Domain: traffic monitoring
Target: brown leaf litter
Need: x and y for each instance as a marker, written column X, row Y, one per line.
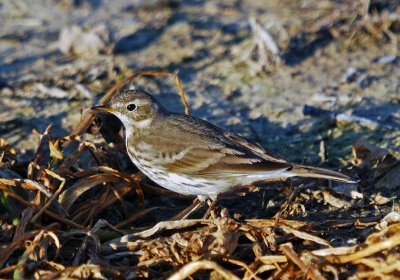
column 78, row 214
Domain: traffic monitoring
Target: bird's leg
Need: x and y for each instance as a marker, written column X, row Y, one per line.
column 196, row 204
column 211, row 205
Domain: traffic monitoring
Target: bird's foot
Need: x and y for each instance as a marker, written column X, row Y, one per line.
column 211, row 207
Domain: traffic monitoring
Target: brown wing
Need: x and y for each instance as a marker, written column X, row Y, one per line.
column 193, row 146
column 254, row 147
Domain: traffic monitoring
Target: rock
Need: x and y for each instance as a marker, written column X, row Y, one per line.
column 387, row 59
column 350, row 75
column 76, row 41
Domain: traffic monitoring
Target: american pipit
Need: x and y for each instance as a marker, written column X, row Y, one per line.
column 191, row 156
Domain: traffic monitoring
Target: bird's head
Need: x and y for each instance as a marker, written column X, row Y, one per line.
column 135, row 108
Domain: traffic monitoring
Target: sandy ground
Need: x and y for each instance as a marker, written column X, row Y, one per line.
column 206, row 41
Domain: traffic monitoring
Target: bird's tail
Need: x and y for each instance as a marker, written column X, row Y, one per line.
column 316, row 172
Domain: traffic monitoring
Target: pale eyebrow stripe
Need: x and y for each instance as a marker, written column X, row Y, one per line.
column 140, row 102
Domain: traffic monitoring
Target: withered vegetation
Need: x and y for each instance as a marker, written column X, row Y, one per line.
column 80, row 213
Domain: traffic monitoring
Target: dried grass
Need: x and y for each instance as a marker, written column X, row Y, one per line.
column 63, row 232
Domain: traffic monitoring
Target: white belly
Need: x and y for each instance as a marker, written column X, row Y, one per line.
column 190, row 184
column 180, row 183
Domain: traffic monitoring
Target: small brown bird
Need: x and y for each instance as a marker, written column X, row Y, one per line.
column 190, row 156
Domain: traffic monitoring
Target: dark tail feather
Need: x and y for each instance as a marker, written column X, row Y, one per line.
column 315, row 172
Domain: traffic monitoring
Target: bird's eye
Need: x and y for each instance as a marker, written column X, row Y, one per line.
column 131, row 107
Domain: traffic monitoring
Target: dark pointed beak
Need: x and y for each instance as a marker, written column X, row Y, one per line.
column 103, row 108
